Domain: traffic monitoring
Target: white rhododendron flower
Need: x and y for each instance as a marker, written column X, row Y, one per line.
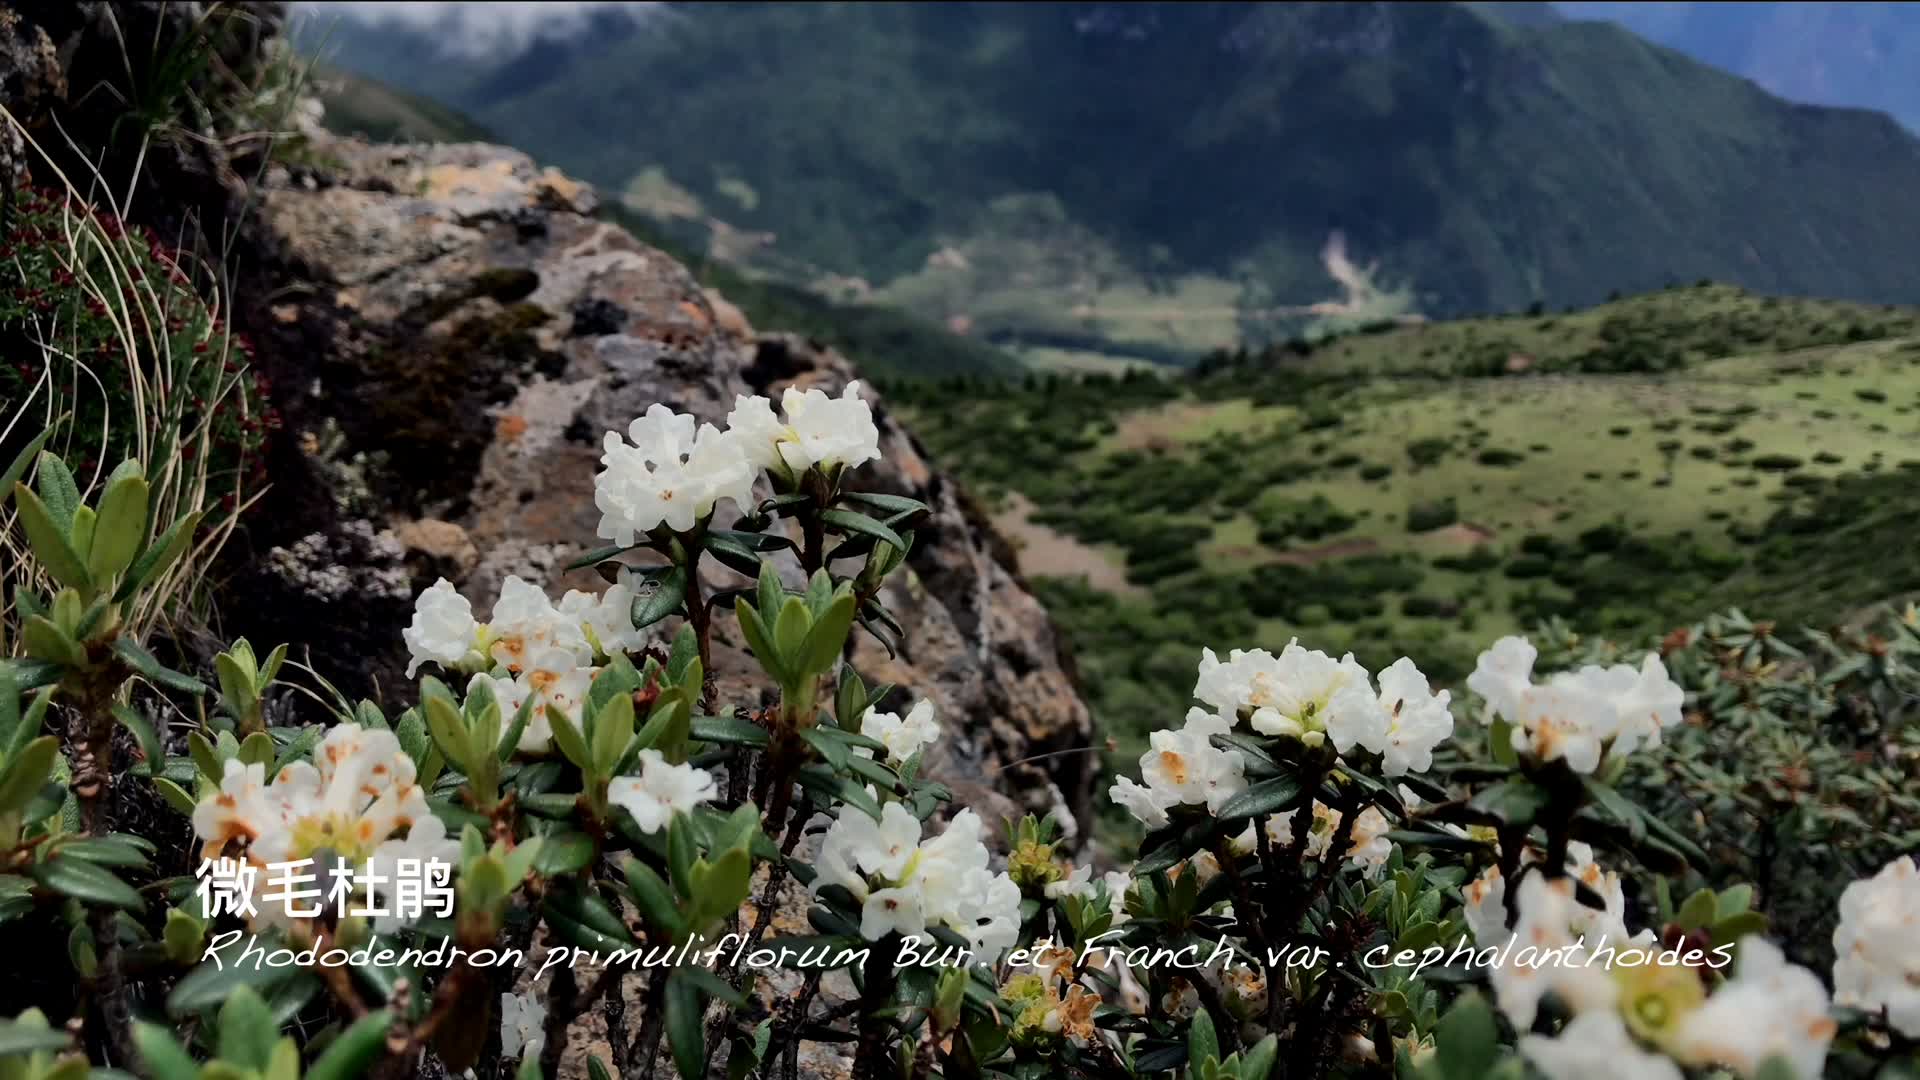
column 1186, row 766
column 903, row 736
column 1417, row 719
column 523, row 1026
column 1503, row 673
column 1576, row 715
column 1877, row 946
column 1644, row 699
column 1148, row 805
column 669, row 474
column 552, row 677
column 1552, row 951
column 443, row 630
column 1486, row 907
column 818, row 430
column 1769, row 1009
column 1302, row 692
column 906, row 884
column 661, row 791
column 1369, row 847
column 406, row 865
column 357, row 799
column 525, row 623
column 606, row 618
column 1595, row 1046
column 1326, row 822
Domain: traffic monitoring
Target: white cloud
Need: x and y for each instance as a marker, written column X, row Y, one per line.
column 477, row 29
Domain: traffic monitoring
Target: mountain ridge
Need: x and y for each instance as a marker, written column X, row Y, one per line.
column 1464, row 156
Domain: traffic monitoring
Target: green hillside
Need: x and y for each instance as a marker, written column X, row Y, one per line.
column 1419, row 490
column 361, row 106
column 1154, row 180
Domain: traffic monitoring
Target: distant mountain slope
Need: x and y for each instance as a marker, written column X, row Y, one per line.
column 1857, row 54
column 1475, row 163
column 356, row 105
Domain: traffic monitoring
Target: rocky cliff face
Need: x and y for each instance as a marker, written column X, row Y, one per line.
column 450, row 330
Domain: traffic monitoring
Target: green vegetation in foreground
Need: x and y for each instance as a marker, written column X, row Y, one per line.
column 1399, row 493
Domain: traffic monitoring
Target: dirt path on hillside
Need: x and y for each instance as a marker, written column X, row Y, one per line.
column 1045, row 553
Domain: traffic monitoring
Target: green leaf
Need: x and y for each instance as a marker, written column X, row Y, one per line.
column 175, row 795
column 159, row 555
column 1203, row 1044
column 769, row 593
column 1734, row 901
column 790, row 634
column 563, row 853
column 667, row 595
column 48, row 538
column 164, row 1058
column 121, row 530
column 86, row 882
column 598, row 555
column 256, row 749
column 1618, row 807
column 652, row 896
column 760, row 642
column 205, row 757
column 449, row 729
column 22, row 778
column 247, row 1030
column 829, row 634
column 114, row 849
column 46, row 641
column 1516, row 801
column 685, row 1034
column 568, row 738
column 1467, row 1040
column 890, row 505
column 350, row 1053
column 612, row 731
column 20, row 464
column 1698, row 911
column 144, row 662
column 1265, row 797
column 860, row 524
column 213, row 982
column 728, row 730
column 56, row 485
column 23, row 1038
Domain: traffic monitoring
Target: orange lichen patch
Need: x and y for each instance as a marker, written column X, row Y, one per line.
column 510, row 427
column 444, row 182
column 695, row 312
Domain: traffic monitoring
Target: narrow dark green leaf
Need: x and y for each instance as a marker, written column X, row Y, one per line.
column 86, row 882
column 144, row 662
column 665, row 596
column 1265, row 797
column 860, row 524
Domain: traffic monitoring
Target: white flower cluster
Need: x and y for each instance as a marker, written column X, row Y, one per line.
column 906, row 884
column 1303, row 693
column 1877, row 946
column 1639, row 1010
column 530, row 647
column 669, row 472
column 1576, row 715
column 902, row 736
column 660, row 791
column 357, row 799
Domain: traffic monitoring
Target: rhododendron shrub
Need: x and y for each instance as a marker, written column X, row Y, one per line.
column 1344, row 872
